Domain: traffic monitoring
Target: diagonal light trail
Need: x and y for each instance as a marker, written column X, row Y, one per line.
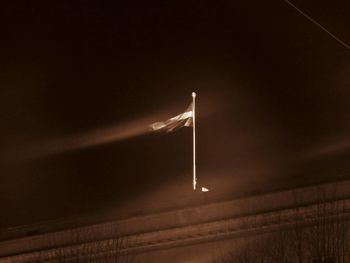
column 318, row 25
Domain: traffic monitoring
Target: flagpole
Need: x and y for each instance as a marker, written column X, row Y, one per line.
column 194, row 140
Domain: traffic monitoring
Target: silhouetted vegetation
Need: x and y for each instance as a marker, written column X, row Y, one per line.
column 319, row 237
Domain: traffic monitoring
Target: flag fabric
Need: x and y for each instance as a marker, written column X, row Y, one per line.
column 184, row 119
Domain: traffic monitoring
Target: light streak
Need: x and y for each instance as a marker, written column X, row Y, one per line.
column 329, row 149
column 83, row 140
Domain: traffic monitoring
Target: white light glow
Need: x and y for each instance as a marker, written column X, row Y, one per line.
column 205, row 189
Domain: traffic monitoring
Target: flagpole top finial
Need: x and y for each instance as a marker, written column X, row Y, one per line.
column 194, row 94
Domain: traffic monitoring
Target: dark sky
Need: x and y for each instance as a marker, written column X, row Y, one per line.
column 272, row 111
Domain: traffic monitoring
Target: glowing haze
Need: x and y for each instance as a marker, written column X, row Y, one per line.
column 92, row 138
column 86, row 139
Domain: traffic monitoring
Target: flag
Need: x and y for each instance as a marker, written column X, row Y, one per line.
column 184, row 119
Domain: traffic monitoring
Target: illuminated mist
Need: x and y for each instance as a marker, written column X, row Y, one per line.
column 93, row 138
column 84, row 140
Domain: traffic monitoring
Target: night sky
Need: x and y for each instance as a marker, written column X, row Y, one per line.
column 273, row 102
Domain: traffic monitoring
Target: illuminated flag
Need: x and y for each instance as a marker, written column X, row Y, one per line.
column 184, row 119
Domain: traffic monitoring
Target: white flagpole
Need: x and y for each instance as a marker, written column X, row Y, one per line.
column 194, row 139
